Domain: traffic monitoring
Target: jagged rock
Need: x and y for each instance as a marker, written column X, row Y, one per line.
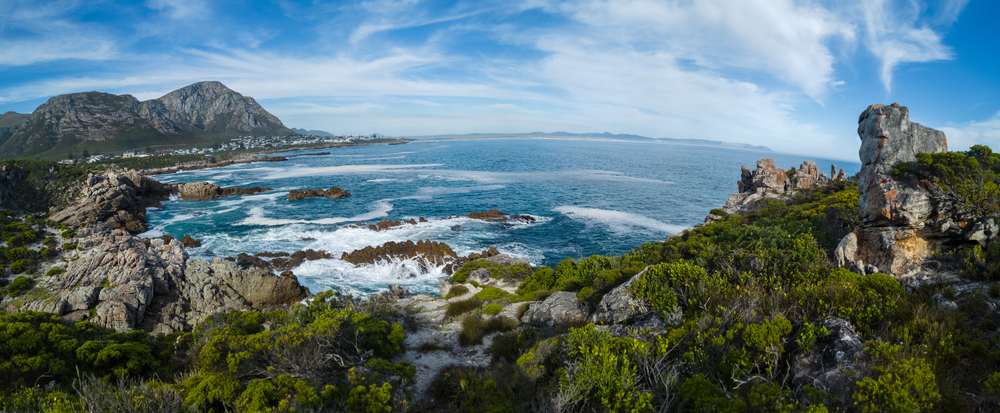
column 841, row 174
column 620, row 305
column 559, row 309
column 190, row 242
column 279, row 261
column 81, row 298
column 203, row 191
column 117, row 198
column 768, row 179
column 333, row 192
column 894, row 213
column 153, row 285
column 829, row 366
column 431, row 252
column 397, row 292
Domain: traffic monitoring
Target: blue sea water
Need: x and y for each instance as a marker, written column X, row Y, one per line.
column 589, row 197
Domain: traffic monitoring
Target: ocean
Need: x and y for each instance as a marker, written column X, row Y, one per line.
column 587, row 196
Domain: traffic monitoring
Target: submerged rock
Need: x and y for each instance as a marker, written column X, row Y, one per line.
column 432, row 252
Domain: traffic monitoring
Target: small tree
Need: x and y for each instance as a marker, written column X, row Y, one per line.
column 86, row 154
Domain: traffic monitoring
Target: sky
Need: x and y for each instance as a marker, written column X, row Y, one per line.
column 791, row 75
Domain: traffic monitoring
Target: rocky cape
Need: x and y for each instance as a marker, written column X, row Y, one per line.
column 64, row 122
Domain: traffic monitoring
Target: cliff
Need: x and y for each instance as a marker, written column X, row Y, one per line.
column 95, row 120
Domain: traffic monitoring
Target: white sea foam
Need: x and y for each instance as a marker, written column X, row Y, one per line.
column 367, row 279
column 258, row 216
column 382, row 180
column 617, row 221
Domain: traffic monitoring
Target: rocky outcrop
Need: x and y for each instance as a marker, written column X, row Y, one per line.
column 894, row 237
column 190, row 242
column 118, row 198
column 129, row 283
column 832, row 364
column 278, row 261
column 203, row 191
column 333, row 192
column 431, row 252
column 769, row 182
column 559, row 309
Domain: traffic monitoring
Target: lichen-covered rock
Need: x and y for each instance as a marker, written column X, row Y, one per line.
column 832, row 361
column 559, row 309
column 892, row 238
column 620, row 305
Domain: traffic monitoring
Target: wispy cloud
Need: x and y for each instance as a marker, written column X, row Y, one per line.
column 897, row 33
column 962, row 136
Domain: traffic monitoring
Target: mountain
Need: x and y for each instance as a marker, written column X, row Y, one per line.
column 312, row 132
column 604, row 135
column 9, row 122
column 199, row 114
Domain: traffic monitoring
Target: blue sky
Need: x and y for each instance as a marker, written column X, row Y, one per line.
column 792, row 75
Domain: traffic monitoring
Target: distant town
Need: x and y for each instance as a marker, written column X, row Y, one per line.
column 234, row 144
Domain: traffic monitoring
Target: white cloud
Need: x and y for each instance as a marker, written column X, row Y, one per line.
column 962, row 136
column 896, row 34
column 180, row 9
column 788, row 40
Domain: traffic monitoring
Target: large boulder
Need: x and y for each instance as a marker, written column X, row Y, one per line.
column 559, row 309
column 620, row 305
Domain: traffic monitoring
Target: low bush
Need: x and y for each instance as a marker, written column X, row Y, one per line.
column 54, row 271
column 475, row 327
column 492, row 309
column 461, row 307
column 456, row 291
column 19, row 286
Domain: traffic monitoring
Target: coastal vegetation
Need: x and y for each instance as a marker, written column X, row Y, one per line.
column 741, row 307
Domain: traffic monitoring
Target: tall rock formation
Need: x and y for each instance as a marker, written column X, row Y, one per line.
column 894, row 237
column 185, row 116
column 770, row 182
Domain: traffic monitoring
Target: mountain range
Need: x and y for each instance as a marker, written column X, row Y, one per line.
column 312, row 132
column 195, row 115
column 604, row 135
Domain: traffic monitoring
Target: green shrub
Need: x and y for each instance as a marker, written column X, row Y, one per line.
column 718, row 212
column 20, row 266
column 68, row 246
column 492, row 293
column 897, row 383
column 19, row 286
column 456, row 291
column 604, row 372
column 54, row 271
column 68, row 234
column 492, row 309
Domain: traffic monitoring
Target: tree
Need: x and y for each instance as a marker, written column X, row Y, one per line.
column 86, row 154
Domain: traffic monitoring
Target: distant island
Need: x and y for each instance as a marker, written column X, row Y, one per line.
column 599, row 136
